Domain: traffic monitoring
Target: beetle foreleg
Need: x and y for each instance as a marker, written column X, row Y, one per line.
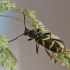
column 30, row 39
column 37, row 47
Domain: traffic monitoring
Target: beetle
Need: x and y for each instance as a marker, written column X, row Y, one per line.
column 43, row 39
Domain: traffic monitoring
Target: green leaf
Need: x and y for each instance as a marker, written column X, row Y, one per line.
column 7, row 58
column 6, row 5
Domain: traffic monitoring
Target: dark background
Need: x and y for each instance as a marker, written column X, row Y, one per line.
column 55, row 14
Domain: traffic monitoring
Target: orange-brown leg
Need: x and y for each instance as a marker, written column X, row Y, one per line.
column 48, row 34
column 50, row 55
column 36, row 28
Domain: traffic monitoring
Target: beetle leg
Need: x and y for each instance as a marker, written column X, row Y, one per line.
column 37, row 47
column 48, row 34
column 30, row 39
column 50, row 55
column 36, row 28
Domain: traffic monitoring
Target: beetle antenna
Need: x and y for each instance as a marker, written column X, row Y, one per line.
column 21, row 34
column 16, row 38
column 24, row 22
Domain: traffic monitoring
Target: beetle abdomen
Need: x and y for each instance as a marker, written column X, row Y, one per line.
column 53, row 45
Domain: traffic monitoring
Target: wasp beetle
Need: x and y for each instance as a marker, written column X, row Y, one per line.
column 43, row 39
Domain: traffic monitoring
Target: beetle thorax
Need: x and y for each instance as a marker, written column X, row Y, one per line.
column 32, row 33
